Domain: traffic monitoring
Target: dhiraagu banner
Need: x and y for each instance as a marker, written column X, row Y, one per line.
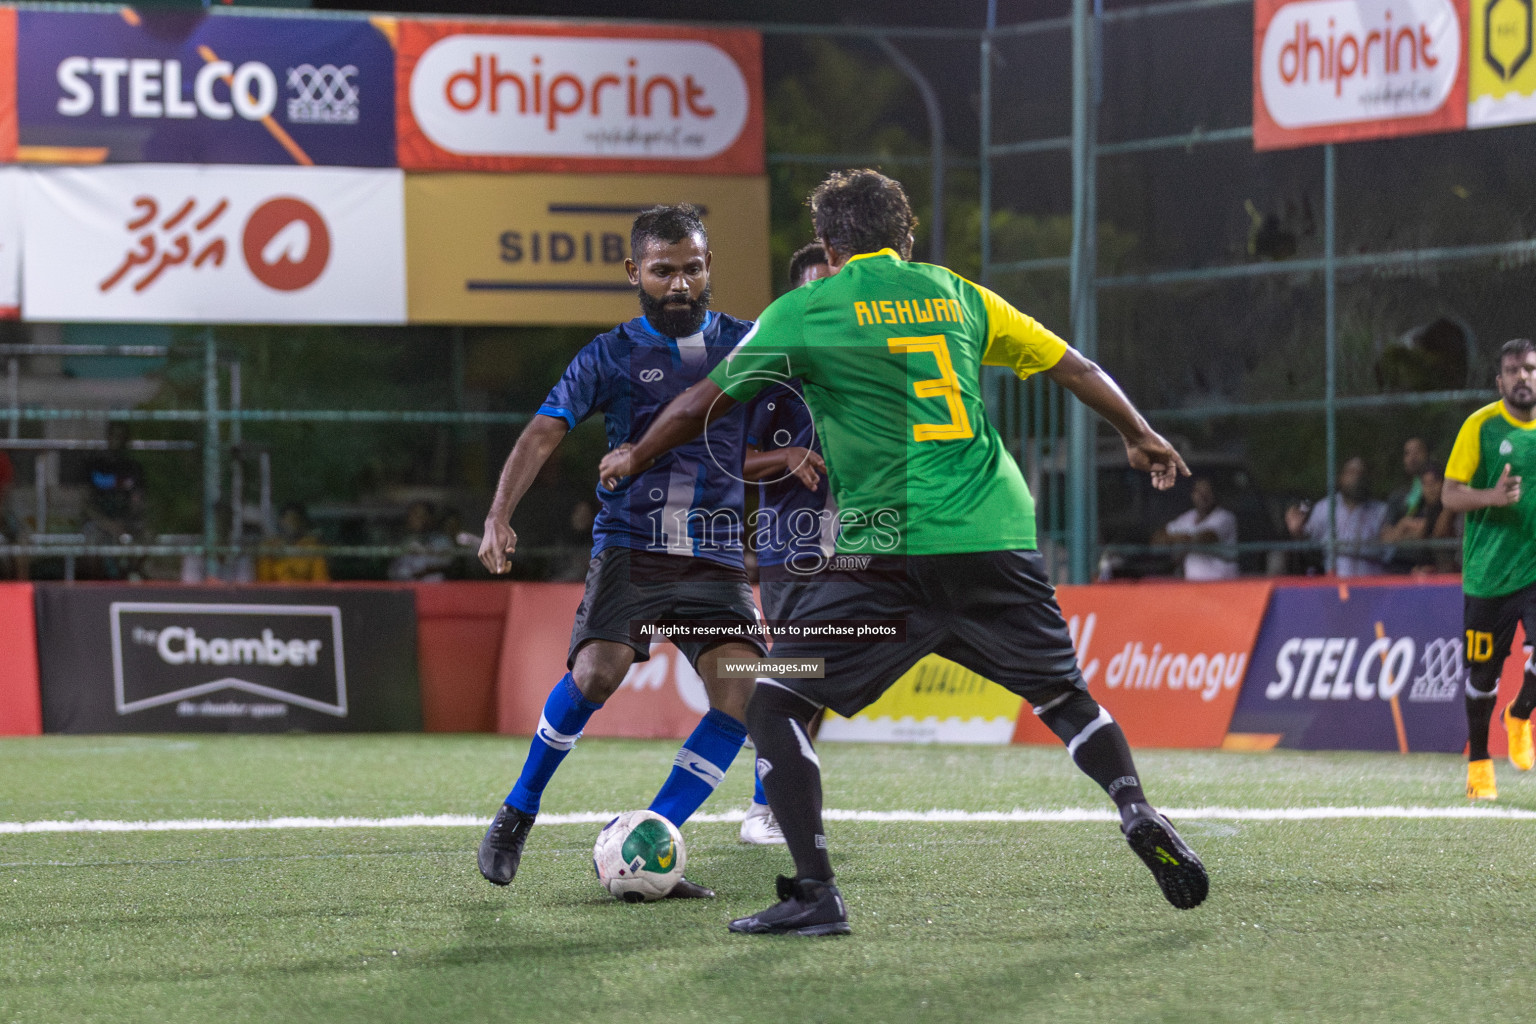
column 1501, row 84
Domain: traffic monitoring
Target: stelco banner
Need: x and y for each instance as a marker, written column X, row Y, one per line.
column 170, row 244
column 145, row 659
column 1345, row 70
column 550, row 248
column 539, row 97
column 162, row 87
column 1358, row 668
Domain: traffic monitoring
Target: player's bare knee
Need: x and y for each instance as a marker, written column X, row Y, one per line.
column 599, row 669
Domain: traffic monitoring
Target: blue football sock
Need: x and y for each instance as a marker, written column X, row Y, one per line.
column 699, row 766
column 565, row 715
column 759, row 795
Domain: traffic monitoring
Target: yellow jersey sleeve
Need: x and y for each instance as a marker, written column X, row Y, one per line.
column 1467, row 452
column 1016, row 340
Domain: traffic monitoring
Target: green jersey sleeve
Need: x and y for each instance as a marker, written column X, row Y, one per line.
column 771, row 353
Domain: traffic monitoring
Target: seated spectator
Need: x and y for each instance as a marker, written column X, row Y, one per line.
column 1206, row 523
column 293, row 530
column 1408, row 496
column 431, row 553
column 1358, row 519
column 1428, row 520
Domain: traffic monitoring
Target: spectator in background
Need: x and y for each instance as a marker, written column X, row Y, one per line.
column 293, row 530
column 1429, row 520
column 1407, row 498
column 1206, row 523
column 1358, row 519
column 431, row 553
column 114, row 506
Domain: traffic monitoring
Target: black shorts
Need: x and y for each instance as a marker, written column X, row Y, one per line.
column 1490, row 629
column 782, row 590
column 626, row 589
column 993, row 612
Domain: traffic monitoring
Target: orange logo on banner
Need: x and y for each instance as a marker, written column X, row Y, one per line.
column 1166, row 659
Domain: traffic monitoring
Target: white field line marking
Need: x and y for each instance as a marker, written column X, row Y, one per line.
column 936, row 816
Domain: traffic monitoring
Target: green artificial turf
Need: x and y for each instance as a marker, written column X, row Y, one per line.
column 1335, row 920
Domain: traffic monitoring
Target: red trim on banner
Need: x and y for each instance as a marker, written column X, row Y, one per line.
column 21, row 707
column 8, row 121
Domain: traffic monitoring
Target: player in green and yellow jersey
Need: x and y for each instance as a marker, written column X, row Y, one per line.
column 937, row 533
column 1494, row 450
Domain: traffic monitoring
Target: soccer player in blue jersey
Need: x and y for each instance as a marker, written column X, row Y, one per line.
column 795, row 525
column 666, row 543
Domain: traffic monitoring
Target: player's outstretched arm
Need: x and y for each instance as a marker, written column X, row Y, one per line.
column 804, row 464
column 684, row 419
column 1458, row 496
column 534, row 446
column 1145, row 448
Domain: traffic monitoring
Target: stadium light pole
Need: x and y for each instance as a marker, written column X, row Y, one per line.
column 1082, row 449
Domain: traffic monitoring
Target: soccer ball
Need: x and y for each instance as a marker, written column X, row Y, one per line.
column 639, row 856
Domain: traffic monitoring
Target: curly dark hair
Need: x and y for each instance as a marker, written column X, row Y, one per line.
column 666, row 224
column 805, row 257
column 863, row 211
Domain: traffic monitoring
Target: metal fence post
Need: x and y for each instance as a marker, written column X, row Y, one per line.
column 1082, row 449
column 1330, row 359
column 210, row 449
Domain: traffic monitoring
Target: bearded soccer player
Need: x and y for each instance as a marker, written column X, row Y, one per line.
column 1495, row 448
column 795, row 524
column 890, row 354
column 666, row 543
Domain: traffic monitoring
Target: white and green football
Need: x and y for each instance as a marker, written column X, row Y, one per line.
column 639, row 856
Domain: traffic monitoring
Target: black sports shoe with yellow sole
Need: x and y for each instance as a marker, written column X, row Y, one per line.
column 1178, row 871
column 805, row 907
column 502, row 848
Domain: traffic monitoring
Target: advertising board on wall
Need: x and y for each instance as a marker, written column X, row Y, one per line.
column 550, row 248
column 183, row 87
column 137, row 659
column 1360, row 667
column 174, row 244
column 1501, row 74
column 531, row 96
column 1167, row 660
column 1346, row 70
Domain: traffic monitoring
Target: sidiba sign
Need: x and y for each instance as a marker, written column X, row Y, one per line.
column 528, row 97
column 1342, row 70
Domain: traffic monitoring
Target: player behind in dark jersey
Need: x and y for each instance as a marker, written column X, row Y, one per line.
column 795, row 524
column 666, row 543
column 889, row 354
column 1495, row 450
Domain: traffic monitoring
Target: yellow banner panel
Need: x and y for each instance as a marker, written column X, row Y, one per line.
column 550, row 248
column 937, row 701
column 1501, row 80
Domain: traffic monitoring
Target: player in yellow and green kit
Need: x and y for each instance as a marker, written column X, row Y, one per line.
column 1494, row 450
column 937, row 528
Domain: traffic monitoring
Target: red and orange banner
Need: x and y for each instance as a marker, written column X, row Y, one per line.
column 1347, row 70
column 536, row 96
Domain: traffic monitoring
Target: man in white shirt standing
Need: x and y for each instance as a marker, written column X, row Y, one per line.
column 1206, row 523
